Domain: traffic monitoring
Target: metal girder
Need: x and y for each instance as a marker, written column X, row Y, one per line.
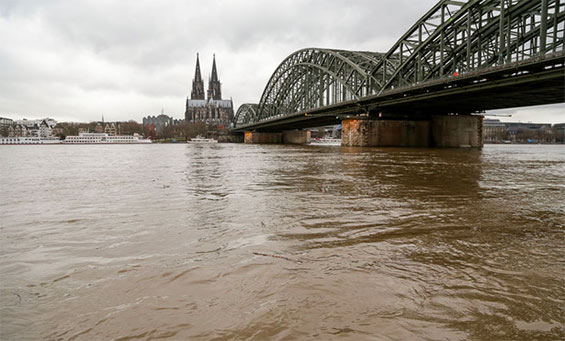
column 311, row 77
column 480, row 34
column 246, row 113
column 451, row 39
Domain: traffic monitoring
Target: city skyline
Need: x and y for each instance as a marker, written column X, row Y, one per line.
column 126, row 60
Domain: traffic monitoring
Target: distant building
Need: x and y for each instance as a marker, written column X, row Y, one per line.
column 5, row 124
column 155, row 125
column 29, row 123
column 559, row 130
column 495, row 131
column 23, row 128
column 111, row 129
column 212, row 109
column 99, row 129
column 522, row 132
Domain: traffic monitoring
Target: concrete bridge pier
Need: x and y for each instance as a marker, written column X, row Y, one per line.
column 457, row 131
column 286, row 137
column 365, row 132
column 230, row 138
column 454, row 131
column 253, row 137
column 296, row 136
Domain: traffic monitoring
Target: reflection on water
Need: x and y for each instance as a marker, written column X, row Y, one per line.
column 281, row 242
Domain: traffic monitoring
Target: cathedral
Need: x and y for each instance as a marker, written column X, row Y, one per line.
column 212, row 108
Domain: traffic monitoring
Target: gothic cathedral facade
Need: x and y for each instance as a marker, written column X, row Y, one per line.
column 212, row 108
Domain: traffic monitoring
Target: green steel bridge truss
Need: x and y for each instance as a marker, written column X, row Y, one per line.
column 452, row 38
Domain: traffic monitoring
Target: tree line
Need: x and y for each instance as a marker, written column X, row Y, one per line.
column 182, row 131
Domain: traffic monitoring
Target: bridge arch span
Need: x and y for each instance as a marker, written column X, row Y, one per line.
column 246, row 113
column 459, row 37
column 451, row 39
column 315, row 77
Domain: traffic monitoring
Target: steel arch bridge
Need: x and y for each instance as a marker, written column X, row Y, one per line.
column 452, row 39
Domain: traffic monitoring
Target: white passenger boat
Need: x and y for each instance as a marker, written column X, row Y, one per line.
column 30, row 140
column 103, row 138
column 200, row 139
column 326, row 141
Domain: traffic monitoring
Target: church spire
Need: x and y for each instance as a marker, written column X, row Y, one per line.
column 214, row 72
column 197, row 75
column 197, row 83
column 214, row 85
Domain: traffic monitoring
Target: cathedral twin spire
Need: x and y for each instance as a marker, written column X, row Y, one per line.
column 208, row 106
column 214, row 85
column 197, row 83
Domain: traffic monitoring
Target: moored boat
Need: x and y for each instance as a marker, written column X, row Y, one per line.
column 29, row 140
column 103, row 138
column 326, row 141
column 201, row 139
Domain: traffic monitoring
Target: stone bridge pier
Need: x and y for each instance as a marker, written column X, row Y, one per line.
column 447, row 131
column 286, row 137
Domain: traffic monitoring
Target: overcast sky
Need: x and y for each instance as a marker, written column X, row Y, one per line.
column 77, row 60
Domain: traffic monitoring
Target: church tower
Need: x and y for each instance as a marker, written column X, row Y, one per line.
column 214, row 85
column 213, row 110
column 197, row 83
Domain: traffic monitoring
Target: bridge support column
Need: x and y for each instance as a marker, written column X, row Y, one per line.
column 296, row 137
column 457, row 131
column 230, row 138
column 361, row 132
column 252, row 137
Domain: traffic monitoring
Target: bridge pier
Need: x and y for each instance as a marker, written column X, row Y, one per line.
column 296, row 136
column 286, row 137
column 437, row 131
column 457, row 131
column 230, row 138
column 361, row 132
column 252, row 137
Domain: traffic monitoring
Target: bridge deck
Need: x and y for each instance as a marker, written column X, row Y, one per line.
column 535, row 81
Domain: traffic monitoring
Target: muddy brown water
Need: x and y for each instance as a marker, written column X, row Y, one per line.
column 259, row 242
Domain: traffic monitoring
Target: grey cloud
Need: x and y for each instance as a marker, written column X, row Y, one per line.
column 128, row 58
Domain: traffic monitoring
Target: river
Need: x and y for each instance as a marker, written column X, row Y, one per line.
column 279, row 242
